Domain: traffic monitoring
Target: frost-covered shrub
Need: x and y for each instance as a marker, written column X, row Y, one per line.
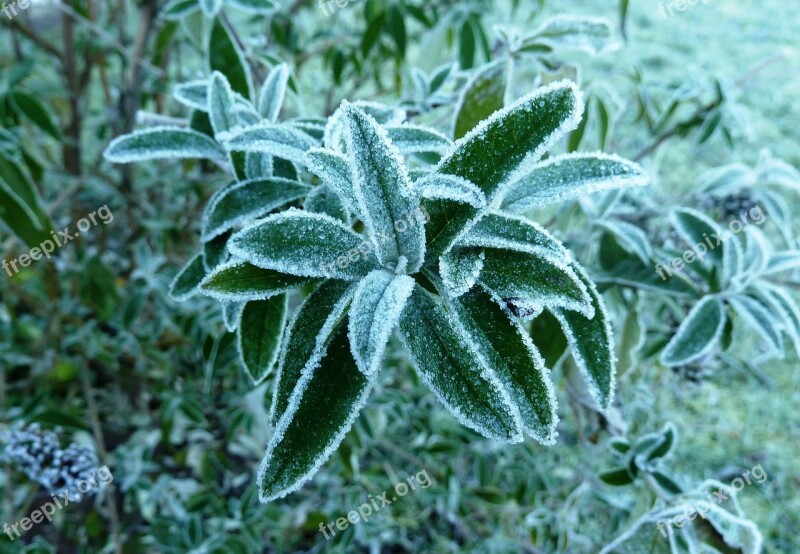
column 433, row 256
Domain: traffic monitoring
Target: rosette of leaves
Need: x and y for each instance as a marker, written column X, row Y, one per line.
column 434, row 259
column 710, row 515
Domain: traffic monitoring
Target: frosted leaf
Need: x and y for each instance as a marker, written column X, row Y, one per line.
column 379, row 299
column 334, row 129
column 185, row 283
column 176, row 10
column 507, row 232
column 334, row 171
column 529, row 282
column 588, row 34
column 756, row 254
column 225, row 55
column 311, row 429
column 274, row 92
column 591, row 343
column 631, row 238
column 570, row 177
column 157, row 143
column 509, row 351
column 231, row 313
column 193, row 94
column 416, row 139
column 246, row 115
column 276, row 139
column 790, row 310
column 697, row 334
column 383, row 191
column 482, row 95
column 760, row 320
column 323, row 200
column 460, row 269
column 247, row 200
column 787, row 260
column 308, row 333
column 306, row 245
column 697, row 228
column 450, row 364
column 240, row 281
column 258, row 165
column 500, row 149
column 221, row 104
column 259, row 337
column 449, row 187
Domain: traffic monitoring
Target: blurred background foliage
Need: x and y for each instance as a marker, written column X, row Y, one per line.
column 90, row 343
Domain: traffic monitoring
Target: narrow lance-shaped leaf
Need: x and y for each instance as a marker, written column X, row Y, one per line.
column 415, row 139
column 259, row 337
column 310, row 431
column 278, row 140
column 758, row 318
column 518, row 365
column 697, row 334
column 570, row 177
column 334, row 171
column 592, row 343
column 36, row 111
column 323, row 200
column 306, row 245
column 379, row 300
column 239, row 281
column 506, row 232
column 449, row 187
column 307, row 337
column 158, row 143
column 698, row 229
column 383, row 191
column 225, row 56
column 460, row 269
column 500, row 147
column 448, row 362
column 274, row 92
column 246, row 200
column 221, row 104
column 188, row 279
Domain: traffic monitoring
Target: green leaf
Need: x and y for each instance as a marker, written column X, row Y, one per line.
column 383, row 192
column 274, row 92
column 528, row 282
column 157, row 143
column 591, row 35
column 247, row 200
column 241, row 281
column 696, row 228
column 591, row 343
column 506, row 232
column 225, row 56
column 36, row 111
column 509, row 351
column 307, row 337
column 22, row 207
column 306, row 245
column 697, row 334
column 759, row 319
column 324, row 404
column 570, row 177
column 548, row 338
column 618, row 477
column 379, row 299
column 483, row 95
column 449, row 187
column 502, row 145
column 466, row 46
column 334, row 171
column 186, row 282
column 263, row 7
column 447, row 363
column 260, row 331
column 416, row 139
column 460, row 269
column 276, row 139
column 220, row 104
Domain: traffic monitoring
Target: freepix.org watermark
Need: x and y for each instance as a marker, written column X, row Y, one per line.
column 718, row 496
column 699, row 250
column 367, row 509
column 95, row 480
column 61, row 238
